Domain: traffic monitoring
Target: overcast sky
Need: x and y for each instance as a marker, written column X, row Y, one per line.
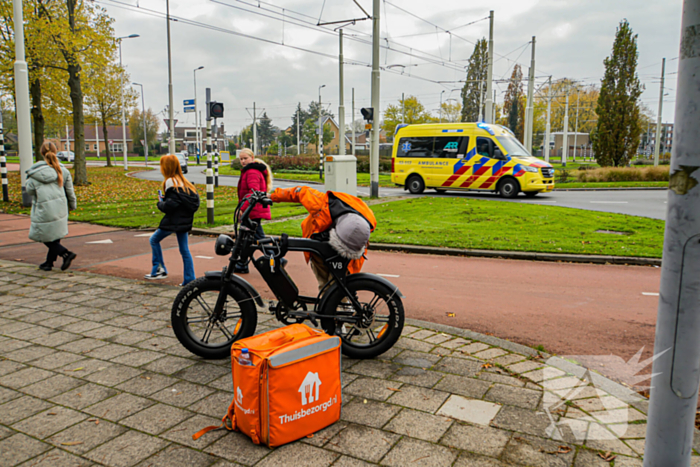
column 572, row 38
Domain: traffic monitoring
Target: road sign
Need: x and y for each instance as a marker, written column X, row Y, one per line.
column 189, row 109
column 111, row 141
column 142, row 141
column 188, row 102
column 167, row 122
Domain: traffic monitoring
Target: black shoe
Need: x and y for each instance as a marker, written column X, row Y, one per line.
column 45, row 266
column 67, row 259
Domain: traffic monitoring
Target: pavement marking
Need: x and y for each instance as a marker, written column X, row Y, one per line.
column 651, row 294
column 143, row 235
column 609, row 202
column 535, row 201
column 102, row 241
column 388, row 275
column 205, row 257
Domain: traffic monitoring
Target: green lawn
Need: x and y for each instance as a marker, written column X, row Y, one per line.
column 362, row 178
column 495, row 225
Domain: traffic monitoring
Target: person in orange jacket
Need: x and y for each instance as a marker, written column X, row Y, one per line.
column 345, row 221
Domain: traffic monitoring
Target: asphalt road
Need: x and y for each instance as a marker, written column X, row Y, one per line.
column 646, row 203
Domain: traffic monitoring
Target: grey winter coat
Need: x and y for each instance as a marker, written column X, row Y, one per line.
column 50, row 202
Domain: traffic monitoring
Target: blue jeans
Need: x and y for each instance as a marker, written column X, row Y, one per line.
column 157, row 258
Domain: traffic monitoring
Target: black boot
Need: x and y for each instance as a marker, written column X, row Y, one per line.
column 68, row 258
column 45, row 266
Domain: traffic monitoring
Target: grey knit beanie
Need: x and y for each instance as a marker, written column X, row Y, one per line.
column 350, row 235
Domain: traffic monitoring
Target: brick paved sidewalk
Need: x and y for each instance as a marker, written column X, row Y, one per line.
column 90, row 373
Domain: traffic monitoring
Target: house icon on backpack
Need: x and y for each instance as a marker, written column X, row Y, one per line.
column 307, row 387
column 239, row 395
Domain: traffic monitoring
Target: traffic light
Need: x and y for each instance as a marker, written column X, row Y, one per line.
column 216, row 110
column 368, row 113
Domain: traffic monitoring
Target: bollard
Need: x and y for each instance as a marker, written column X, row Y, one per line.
column 216, row 169
column 3, row 165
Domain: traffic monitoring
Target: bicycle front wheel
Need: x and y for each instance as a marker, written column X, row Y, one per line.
column 200, row 330
column 368, row 332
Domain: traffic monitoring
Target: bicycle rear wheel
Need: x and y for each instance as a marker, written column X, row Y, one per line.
column 200, row 330
column 371, row 331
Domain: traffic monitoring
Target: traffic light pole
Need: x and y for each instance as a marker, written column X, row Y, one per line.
column 676, row 368
column 374, row 141
column 210, row 173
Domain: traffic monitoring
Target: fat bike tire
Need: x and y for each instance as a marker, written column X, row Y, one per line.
column 377, row 327
column 204, row 334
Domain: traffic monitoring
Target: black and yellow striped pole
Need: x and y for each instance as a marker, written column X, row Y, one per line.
column 3, row 165
column 210, row 172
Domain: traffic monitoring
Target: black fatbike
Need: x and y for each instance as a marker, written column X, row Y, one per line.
column 212, row 312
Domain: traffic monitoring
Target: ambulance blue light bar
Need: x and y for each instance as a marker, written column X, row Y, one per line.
column 486, row 127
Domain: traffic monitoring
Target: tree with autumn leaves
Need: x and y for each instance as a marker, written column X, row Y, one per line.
column 64, row 41
column 514, row 104
column 616, row 135
column 410, row 111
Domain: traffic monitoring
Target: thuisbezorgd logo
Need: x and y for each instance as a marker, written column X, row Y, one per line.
column 309, row 390
column 239, row 402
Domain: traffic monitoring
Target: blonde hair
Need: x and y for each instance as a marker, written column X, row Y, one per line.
column 268, row 177
column 48, row 151
column 170, row 168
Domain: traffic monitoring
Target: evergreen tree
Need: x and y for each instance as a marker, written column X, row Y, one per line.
column 616, row 135
column 514, row 105
column 266, row 132
column 474, row 90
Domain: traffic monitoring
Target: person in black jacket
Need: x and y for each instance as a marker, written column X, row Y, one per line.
column 179, row 203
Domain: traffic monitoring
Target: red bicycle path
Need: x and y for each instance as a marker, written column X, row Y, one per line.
column 568, row 308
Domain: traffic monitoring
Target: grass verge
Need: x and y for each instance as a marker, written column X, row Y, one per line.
column 494, row 225
column 116, row 200
column 362, row 178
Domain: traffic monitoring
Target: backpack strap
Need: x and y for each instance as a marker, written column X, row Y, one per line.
column 228, row 422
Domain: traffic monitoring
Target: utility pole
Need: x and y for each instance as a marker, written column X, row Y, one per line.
column 657, row 143
column 489, row 74
column 481, row 102
column 576, row 124
column 675, row 371
column 198, row 130
column 341, row 106
column 171, row 139
column 143, row 120
column 443, row 92
column 299, row 128
column 565, row 144
column 24, row 127
column 255, row 131
column 210, row 172
column 403, row 108
column 547, row 128
column 374, row 141
column 353, row 122
column 529, row 114
column 97, row 138
column 3, row 165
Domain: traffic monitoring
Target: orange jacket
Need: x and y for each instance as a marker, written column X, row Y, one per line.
column 321, row 207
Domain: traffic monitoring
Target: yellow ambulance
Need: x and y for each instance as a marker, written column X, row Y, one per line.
column 466, row 156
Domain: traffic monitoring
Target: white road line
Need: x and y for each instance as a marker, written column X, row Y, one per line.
column 102, row 241
column 651, row 294
column 144, row 235
column 388, row 275
column 608, row 202
column 535, row 201
column 205, row 257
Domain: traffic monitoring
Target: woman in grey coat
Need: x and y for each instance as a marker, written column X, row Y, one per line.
column 51, row 188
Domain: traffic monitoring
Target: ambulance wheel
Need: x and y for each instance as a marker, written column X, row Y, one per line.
column 372, row 331
column 415, row 185
column 509, row 188
column 531, row 194
column 202, row 333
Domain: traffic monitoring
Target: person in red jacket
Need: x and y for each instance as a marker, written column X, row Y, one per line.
column 255, row 176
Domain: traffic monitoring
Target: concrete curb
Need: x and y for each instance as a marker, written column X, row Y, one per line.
column 521, row 255
column 618, row 390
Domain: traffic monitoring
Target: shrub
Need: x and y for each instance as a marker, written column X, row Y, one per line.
column 309, row 163
column 625, row 174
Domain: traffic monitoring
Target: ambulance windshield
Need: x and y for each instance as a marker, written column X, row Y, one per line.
column 513, row 146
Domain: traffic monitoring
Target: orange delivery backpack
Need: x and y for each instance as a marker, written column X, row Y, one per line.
column 292, row 390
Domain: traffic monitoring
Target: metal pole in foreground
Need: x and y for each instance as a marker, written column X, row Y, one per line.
column 353, row 121
column 548, row 127
column 374, row 141
column 529, row 114
column 657, row 143
column 24, row 128
column 210, row 172
column 488, row 118
column 565, row 139
column 198, row 126
column 298, row 129
column 143, row 120
column 171, row 126
column 3, row 166
column 676, row 368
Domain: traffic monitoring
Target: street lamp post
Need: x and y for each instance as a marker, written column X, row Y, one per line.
column 320, row 133
column 143, row 117
column 24, row 129
column 119, row 40
column 171, row 139
column 198, row 133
